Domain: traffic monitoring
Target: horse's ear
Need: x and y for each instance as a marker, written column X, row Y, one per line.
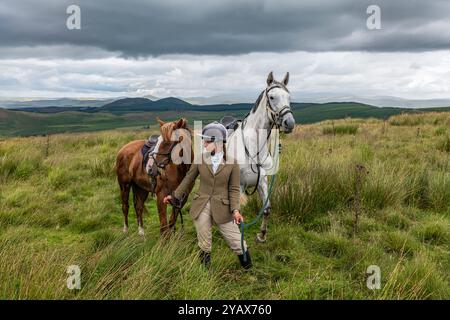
column 181, row 123
column 286, row 79
column 161, row 123
column 270, row 78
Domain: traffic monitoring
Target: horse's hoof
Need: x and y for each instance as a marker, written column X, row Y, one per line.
column 125, row 229
column 260, row 238
column 141, row 231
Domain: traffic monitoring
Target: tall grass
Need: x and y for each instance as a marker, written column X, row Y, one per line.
column 444, row 144
column 340, row 129
column 416, row 119
column 63, row 208
column 118, row 269
column 316, row 184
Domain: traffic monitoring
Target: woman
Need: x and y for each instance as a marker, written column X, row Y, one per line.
column 217, row 199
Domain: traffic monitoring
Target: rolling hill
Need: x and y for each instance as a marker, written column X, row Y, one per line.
column 141, row 112
column 62, row 103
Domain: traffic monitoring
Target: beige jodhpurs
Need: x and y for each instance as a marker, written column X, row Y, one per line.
column 230, row 231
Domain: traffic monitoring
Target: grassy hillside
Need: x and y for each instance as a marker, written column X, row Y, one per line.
column 59, row 206
column 310, row 113
column 139, row 113
column 19, row 123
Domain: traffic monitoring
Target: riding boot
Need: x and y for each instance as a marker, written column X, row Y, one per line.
column 205, row 258
column 247, row 264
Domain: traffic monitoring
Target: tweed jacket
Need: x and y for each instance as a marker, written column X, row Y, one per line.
column 222, row 188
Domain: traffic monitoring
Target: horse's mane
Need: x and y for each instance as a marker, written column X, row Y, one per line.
column 255, row 106
column 168, row 128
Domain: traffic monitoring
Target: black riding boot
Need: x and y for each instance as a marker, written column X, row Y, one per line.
column 247, row 264
column 205, row 258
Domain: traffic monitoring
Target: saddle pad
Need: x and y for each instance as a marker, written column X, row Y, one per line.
column 148, row 147
column 229, row 122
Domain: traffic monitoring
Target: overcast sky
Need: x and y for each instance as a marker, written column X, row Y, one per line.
column 224, row 48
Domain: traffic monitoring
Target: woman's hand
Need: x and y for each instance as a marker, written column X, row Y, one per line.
column 237, row 216
column 167, row 199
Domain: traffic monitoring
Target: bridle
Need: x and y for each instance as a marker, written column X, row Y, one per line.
column 168, row 155
column 162, row 173
column 275, row 117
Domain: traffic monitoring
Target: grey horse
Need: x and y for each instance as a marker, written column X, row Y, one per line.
column 254, row 142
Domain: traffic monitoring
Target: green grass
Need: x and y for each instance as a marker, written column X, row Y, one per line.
column 444, row 144
column 340, row 129
column 60, row 206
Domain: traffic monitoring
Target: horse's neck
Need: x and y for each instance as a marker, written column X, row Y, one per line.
column 258, row 119
column 255, row 129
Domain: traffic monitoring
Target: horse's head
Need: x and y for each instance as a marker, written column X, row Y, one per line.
column 173, row 134
column 279, row 103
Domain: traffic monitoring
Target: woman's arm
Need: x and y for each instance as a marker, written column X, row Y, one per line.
column 233, row 188
column 187, row 182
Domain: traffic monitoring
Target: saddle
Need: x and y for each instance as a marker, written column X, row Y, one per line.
column 146, row 151
column 148, row 147
column 229, row 122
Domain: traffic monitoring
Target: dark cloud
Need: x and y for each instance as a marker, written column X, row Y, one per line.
column 142, row 28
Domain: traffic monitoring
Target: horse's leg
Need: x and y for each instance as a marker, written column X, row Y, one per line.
column 124, row 197
column 162, row 212
column 139, row 197
column 263, row 194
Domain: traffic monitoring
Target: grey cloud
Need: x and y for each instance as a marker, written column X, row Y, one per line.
column 147, row 28
column 318, row 75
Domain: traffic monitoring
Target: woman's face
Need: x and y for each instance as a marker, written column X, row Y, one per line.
column 210, row 146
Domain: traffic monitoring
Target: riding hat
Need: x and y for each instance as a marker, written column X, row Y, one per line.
column 214, row 131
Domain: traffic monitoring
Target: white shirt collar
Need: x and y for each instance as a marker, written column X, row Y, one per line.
column 217, row 155
column 215, row 160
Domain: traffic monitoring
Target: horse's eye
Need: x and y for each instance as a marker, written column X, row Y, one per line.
column 271, row 97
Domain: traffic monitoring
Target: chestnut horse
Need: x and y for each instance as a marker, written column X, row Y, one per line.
column 131, row 174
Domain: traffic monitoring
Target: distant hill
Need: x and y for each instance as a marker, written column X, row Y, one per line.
column 141, row 112
column 315, row 112
column 386, row 101
column 127, row 105
column 54, row 109
column 173, row 103
column 62, row 103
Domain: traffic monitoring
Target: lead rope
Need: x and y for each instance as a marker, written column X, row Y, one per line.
column 256, row 219
column 260, row 213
